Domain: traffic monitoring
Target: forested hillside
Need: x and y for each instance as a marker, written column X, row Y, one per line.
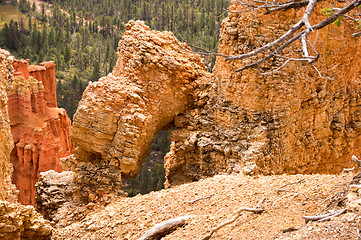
column 81, row 36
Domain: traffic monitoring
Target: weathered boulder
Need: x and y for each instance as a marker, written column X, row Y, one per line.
column 22, row 222
column 290, row 121
column 40, row 130
column 53, row 190
column 120, row 114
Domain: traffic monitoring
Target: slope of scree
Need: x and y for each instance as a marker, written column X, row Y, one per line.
column 120, row 114
column 129, row 218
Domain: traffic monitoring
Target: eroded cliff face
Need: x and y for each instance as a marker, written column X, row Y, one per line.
column 16, row 221
column 290, row 121
column 7, row 189
column 40, row 130
column 120, row 114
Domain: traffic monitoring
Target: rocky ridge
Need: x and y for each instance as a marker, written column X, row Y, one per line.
column 40, row 130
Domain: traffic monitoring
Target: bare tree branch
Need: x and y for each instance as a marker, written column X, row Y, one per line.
column 202, row 198
column 287, row 38
column 356, row 34
column 162, row 229
column 238, row 213
column 324, row 217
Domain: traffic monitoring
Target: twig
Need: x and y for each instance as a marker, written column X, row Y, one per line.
column 327, row 199
column 292, row 31
column 277, row 69
column 358, row 233
column 238, row 213
column 325, row 216
column 278, row 189
column 319, row 73
column 162, row 229
column 348, row 169
column 355, row 159
column 334, row 215
column 356, row 34
column 274, row 203
column 195, row 200
column 290, row 229
column 292, row 183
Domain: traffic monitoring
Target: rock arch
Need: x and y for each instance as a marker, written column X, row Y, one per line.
column 120, row 114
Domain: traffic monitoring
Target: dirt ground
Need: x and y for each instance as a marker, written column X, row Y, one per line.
column 128, row 218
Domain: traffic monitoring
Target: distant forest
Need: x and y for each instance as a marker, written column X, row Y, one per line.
column 82, row 36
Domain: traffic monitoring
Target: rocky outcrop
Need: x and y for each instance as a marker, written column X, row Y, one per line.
column 7, row 189
column 22, row 222
column 40, row 130
column 44, row 72
column 290, row 121
column 120, row 114
column 52, row 191
column 16, row 221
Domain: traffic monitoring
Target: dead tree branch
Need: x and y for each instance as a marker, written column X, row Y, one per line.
column 348, row 169
column 195, row 200
column 277, row 190
column 327, row 199
column 164, row 228
column 289, row 37
column 324, row 217
column 358, row 162
column 358, row 233
column 358, row 34
column 257, row 209
column 238, row 213
column 284, row 196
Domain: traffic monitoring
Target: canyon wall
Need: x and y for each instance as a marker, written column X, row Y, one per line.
column 289, row 121
column 40, row 130
column 16, row 221
column 119, row 115
column 296, row 120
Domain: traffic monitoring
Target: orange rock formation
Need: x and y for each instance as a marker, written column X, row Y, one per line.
column 16, row 221
column 120, row 114
column 288, row 121
column 40, row 130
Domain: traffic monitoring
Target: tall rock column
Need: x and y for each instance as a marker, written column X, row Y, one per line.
column 40, row 130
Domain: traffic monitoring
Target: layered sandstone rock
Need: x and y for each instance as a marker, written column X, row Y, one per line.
column 16, row 221
column 22, row 222
column 7, row 189
column 120, row 114
column 40, row 130
column 290, row 121
column 53, row 190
